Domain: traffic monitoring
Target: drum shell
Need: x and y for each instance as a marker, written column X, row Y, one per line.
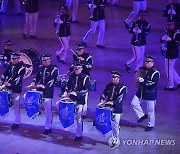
column 4, row 107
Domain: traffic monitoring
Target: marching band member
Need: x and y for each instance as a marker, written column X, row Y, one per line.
column 147, row 92
column 31, row 17
column 63, row 29
column 97, row 18
column 5, row 55
column 137, row 6
column 172, row 12
column 171, row 39
column 85, row 59
column 12, row 79
column 77, row 85
column 114, row 93
column 46, row 77
column 140, row 28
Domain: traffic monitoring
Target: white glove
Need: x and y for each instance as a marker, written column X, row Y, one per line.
column 166, row 38
column 140, row 79
column 137, row 30
column 58, row 21
column 171, row 11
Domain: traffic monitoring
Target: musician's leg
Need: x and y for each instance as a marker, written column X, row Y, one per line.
column 133, row 59
column 48, row 110
column 151, row 113
column 15, row 100
column 68, row 3
column 34, row 23
column 115, row 124
column 91, row 31
column 135, row 103
column 27, row 24
column 79, row 129
column 65, row 41
column 134, row 13
column 175, row 74
column 143, row 5
column 4, row 5
column 85, row 105
column 140, row 57
column 101, row 24
column 169, row 64
column 75, row 9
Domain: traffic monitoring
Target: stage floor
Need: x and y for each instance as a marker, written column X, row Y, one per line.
column 28, row 138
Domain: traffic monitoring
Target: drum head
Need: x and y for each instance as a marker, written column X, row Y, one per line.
column 30, row 57
column 28, row 61
column 66, row 100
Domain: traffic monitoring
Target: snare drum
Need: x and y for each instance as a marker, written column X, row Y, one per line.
column 103, row 120
column 31, row 102
column 61, row 82
column 30, row 57
column 66, row 112
column 4, row 107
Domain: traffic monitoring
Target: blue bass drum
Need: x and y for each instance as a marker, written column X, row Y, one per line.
column 103, row 120
column 4, row 107
column 66, row 112
column 31, row 102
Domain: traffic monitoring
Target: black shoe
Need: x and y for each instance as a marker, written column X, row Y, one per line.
column 178, row 86
column 75, row 21
column 33, row 37
column 58, row 58
column 148, row 129
column 101, row 46
column 126, row 25
column 128, row 68
column 19, row 14
column 47, row 131
column 78, row 139
column 169, row 89
column 15, row 126
column 142, row 118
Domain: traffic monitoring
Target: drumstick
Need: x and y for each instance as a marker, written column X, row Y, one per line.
column 29, row 86
column 74, row 53
column 62, row 75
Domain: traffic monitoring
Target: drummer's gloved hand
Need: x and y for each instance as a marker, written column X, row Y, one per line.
column 41, row 86
column 65, row 94
column 32, row 84
column 140, row 79
column 73, row 93
column 110, row 103
column 7, row 84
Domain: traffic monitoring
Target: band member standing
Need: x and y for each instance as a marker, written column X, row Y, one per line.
column 77, row 85
column 62, row 24
column 172, row 12
column 85, row 59
column 12, row 79
column 16, row 5
column 140, row 28
column 115, row 93
column 31, row 17
column 97, row 18
column 137, row 6
column 147, row 92
column 46, row 77
column 5, row 55
column 171, row 40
